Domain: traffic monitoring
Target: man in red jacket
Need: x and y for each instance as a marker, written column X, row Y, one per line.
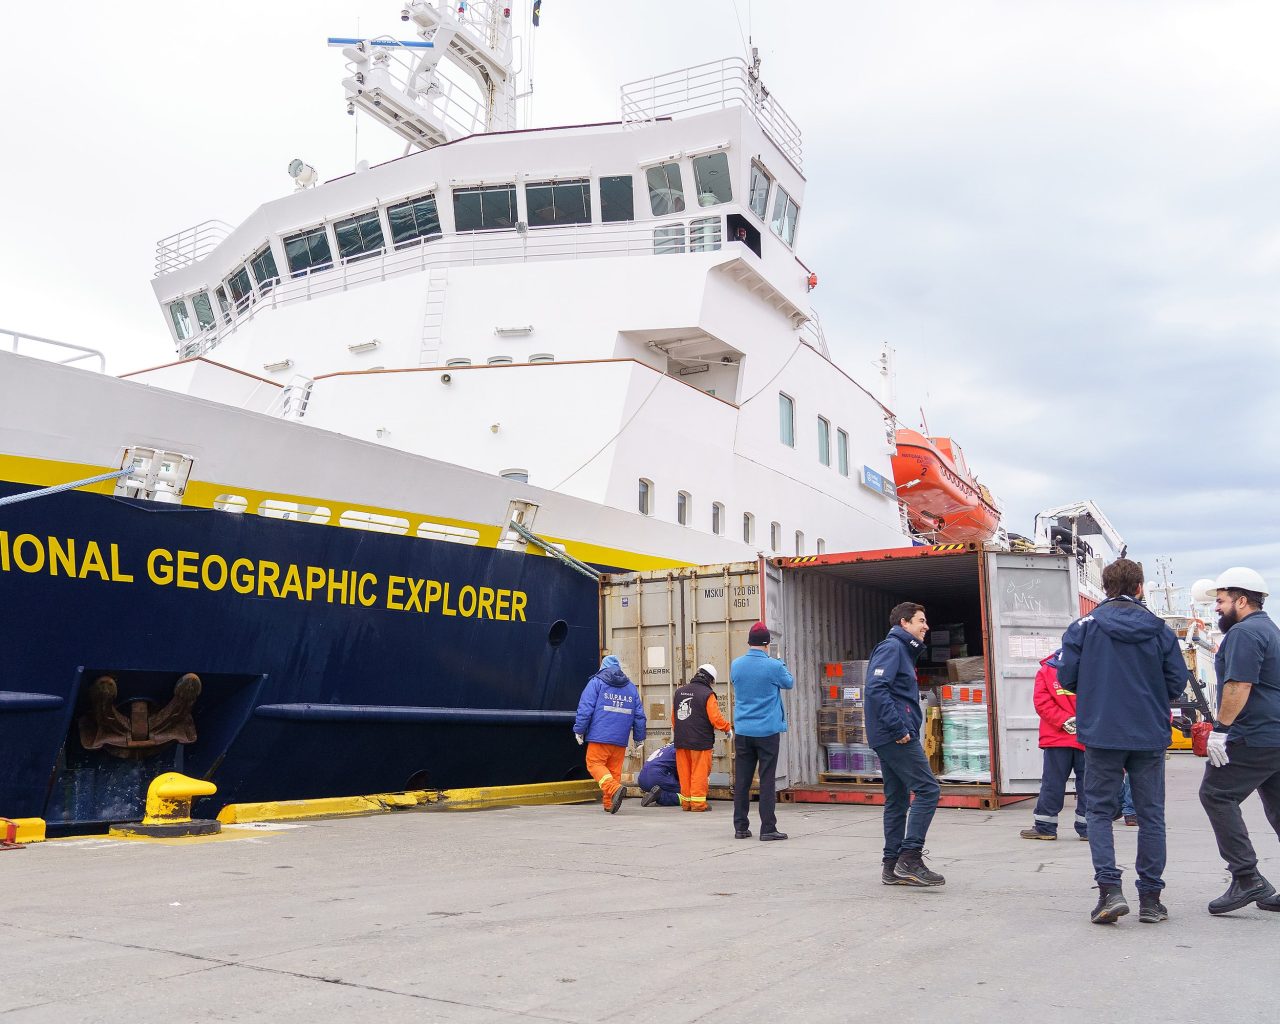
column 1063, row 754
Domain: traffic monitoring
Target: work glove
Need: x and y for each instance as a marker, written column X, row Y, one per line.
column 578, row 737
column 1217, row 749
column 729, row 735
column 1069, row 726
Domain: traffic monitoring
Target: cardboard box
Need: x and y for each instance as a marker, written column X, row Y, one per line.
column 966, row 670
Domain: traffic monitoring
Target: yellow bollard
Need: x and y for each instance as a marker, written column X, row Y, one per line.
column 169, row 809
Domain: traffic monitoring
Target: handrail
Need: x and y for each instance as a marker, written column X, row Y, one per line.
column 85, row 353
column 700, row 230
column 713, row 86
column 190, row 245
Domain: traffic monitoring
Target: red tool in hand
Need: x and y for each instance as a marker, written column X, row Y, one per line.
column 1199, row 731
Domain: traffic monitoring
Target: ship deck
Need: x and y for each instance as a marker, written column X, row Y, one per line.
column 564, row 914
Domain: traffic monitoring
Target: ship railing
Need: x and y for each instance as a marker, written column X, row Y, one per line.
column 190, row 245
column 813, row 335
column 696, row 234
column 713, row 86
column 51, row 350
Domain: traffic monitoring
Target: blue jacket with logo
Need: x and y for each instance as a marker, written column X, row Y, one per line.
column 609, row 710
column 892, row 705
column 758, row 682
column 1124, row 665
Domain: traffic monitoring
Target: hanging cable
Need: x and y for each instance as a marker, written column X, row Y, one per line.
column 44, row 492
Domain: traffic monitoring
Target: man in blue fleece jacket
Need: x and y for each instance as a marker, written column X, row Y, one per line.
column 759, row 720
column 1124, row 665
column 893, row 718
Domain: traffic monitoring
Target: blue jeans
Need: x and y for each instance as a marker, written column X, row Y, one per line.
column 1059, row 763
column 906, row 821
column 1103, row 773
column 1126, row 799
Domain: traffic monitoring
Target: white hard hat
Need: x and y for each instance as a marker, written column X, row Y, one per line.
column 1240, row 578
column 709, row 670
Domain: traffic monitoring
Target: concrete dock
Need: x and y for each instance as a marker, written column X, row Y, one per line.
column 568, row 914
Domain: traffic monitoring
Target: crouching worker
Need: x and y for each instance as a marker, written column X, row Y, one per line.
column 1063, row 754
column 609, row 713
column 659, row 780
column 697, row 716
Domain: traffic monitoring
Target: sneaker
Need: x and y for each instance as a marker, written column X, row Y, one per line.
column 768, row 837
column 1083, row 836
column 616, row 802
column 910, row 870
column 1035, row 833
column 651, row 797
column 1111, row 905
column 1243, row 890
column 742, row 833
column 1131, row 819
column 1150, row 909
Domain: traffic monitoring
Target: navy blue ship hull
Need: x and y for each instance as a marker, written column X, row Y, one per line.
column 362, row 663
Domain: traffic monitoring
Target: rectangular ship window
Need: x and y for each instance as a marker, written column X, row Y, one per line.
column 359, row 236
column 558, row 202
column 204, row 310
column 414, row 221
column 760, row 183
column 308, row 251
column 617, row 199
column 785, row 214
column 666, row 193
column 711, row 179
column 484, row 209
column 241, row 289
column 263, row 263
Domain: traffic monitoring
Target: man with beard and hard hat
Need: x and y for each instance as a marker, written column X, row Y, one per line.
column 697, row 716
column 1244, row 747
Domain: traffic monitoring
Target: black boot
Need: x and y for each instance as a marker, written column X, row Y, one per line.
column 1111, row 905
column 1245, row 889
column 886, row 872
column 910, row 870
column 1150, row 909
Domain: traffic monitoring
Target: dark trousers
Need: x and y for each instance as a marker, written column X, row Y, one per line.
column 1059, row 763
column 1104, row 770
column 748, row 753
column 906, row 821
column 667, row 781
column 1225, row 788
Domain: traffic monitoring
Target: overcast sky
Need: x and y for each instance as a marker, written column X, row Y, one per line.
column 1065, row 217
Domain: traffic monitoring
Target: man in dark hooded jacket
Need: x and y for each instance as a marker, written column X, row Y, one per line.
column 1124, row 665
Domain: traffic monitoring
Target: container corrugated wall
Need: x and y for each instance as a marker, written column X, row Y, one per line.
column 827, row 619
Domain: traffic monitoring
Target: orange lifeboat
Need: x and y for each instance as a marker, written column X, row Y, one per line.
column 942, row 497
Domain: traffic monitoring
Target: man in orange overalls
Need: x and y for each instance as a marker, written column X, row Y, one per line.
column 697, row 716
column 609, row 713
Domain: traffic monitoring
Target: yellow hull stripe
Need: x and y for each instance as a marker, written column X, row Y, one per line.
column 202, row 494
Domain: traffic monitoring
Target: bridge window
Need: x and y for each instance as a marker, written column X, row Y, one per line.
column 204, row 311
column 711, row 179
column 842, row 452
column 558, row 202
column 308, row 251
column 824, row 441
column 181, row 319
column 263, row 263
column 786, row 422
column 785, row 214
column 682, row 508
column 666, row 193
column 748, row 527
column 223, row 304
column 717, row 518
column 760, row 183
column 359, row 236
column 617, row 199
column 705, row 234
column 646, row 497
column 240, row 288
column 484, row 209
column 413, row 221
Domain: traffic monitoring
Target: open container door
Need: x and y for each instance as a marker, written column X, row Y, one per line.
column 1030, row 603
column 772, row 616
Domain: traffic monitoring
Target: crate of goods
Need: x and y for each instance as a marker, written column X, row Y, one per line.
column 931, row 737
column 966, row 745
column 966, row 670
column 852, row 724
column 841, row 681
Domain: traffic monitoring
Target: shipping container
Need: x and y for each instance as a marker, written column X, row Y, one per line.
column 827, row 610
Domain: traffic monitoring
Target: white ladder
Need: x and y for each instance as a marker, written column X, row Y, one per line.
column 433, row 316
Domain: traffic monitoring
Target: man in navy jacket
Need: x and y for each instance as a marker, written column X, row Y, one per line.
column 893, row 718
column 1125, row 667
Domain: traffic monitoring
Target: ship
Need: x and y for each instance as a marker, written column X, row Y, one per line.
column 944, row 500
column 347, row 538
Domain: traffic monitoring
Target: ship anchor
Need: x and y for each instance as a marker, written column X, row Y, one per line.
column 144, row 732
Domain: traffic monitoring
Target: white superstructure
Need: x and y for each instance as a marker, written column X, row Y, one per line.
column 612, row 312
